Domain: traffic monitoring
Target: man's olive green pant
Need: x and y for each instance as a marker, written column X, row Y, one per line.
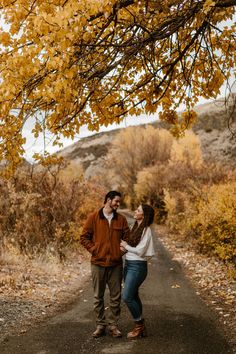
column 112, row 278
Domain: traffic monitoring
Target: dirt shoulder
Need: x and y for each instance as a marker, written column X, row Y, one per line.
column 33, row 290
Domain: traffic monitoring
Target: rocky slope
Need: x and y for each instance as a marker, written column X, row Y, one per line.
column 90, row 152
column 216, row 128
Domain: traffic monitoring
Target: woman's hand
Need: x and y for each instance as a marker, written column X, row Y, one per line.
column 123, row 250
column 122, row 247
column 123, row 243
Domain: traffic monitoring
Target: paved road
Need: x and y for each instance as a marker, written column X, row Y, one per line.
column 178, row 322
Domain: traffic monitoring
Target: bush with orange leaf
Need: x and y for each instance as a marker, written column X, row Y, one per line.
column 42, row 209
column 206, row 217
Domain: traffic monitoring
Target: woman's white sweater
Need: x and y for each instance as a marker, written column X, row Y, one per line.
column 144, row 250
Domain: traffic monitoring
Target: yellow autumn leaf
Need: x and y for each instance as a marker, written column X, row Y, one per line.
column 84, row 58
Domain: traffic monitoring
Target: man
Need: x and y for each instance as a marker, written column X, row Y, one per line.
column 101, row 236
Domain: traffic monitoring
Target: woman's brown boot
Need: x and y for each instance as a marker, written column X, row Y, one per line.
column 138, row 331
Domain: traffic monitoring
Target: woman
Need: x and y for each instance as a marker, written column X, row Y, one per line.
column 139, row 249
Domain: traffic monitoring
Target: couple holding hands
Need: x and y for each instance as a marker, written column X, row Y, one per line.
column 106, row 235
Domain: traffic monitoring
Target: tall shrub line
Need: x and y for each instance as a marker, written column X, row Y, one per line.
column 44, row 210
column 195, row 198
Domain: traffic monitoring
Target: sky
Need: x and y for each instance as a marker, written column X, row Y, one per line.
column 37, row 145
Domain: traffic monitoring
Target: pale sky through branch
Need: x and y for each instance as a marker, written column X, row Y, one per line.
column 40, row 144
column 37, row 145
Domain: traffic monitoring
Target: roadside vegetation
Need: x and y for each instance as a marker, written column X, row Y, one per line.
column 42, row 211
column 195, row 198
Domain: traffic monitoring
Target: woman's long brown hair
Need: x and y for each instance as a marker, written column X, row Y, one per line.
column 137, row 230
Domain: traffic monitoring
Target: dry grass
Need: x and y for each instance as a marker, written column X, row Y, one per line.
column 33, row 289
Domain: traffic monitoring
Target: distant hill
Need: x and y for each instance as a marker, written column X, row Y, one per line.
column 217, row 139
column 90, row 151
column 216, row 128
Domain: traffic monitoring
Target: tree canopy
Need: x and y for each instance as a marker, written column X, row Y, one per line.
column 68, row 63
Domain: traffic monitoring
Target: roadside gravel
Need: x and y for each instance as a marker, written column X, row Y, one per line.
column 31, row 291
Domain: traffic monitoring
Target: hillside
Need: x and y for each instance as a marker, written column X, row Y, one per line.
column 217, row 139
column 216, row 128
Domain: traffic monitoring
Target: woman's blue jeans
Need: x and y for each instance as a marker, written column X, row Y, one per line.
column 135, row 273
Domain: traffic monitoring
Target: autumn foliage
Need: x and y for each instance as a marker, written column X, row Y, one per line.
column 195, row 198
column 214, row 221
column 45, row 210
column 65, row 64
column 132, row 150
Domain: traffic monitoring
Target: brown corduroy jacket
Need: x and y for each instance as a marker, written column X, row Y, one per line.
column 102, row 240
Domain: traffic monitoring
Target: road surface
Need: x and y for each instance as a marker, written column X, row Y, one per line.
column 178, row 322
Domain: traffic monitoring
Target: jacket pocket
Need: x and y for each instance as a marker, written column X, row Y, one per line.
column 117, row 227
column 99, row 252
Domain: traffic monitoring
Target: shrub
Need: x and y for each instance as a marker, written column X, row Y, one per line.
column 149, row 189
column 40, row 209
column 134, row 149
column 215, row 222
column 187, row 150
column 208, row 216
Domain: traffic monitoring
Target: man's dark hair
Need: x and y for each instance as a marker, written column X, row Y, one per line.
column 111, row 195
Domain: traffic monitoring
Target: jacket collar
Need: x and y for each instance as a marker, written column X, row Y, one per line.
column 115, row 215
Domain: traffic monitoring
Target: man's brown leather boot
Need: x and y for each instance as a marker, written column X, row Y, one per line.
column 114, row 331
column 100, row 331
